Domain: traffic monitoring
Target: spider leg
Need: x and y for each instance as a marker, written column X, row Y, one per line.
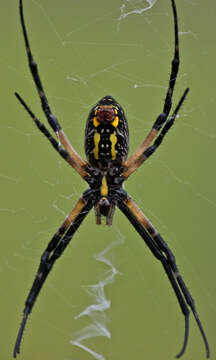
column 44, row 102
column 136, row 157
column 162, row 252
column 64, row 154
column 151, row 149
column 53, row 251
column 169, row 123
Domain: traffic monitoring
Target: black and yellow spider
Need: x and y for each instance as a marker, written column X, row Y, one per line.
column 108, row 166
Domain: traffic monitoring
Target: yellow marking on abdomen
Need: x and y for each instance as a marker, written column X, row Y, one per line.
column 113, row 139
column 95, row 122
column 96, row 143
column 115, row 121
column 104, row 187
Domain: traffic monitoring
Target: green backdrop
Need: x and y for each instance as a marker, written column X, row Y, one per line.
column 85, row 50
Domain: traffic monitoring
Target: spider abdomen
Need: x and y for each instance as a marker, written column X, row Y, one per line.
column 106, row 135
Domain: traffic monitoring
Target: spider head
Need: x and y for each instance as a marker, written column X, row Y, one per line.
column 105, row 208
column 104, row 205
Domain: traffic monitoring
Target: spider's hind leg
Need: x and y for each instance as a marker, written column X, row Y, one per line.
column 161, row 251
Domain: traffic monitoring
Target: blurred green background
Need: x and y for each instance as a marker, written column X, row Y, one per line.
column 86, row 50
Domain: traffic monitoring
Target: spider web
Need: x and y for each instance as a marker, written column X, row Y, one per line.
column 97, row 310
column 107, row 285
column 131, row 8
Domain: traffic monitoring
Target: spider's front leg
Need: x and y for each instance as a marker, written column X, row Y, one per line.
column 77, row 162
column 162, row 122
column 84, row 173
column 139, row 160
column 162, row 252
column 53, row 251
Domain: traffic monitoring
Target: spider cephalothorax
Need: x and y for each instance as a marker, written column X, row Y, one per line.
column 107, row 167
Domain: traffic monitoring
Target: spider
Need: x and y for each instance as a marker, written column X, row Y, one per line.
column 106, row 169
